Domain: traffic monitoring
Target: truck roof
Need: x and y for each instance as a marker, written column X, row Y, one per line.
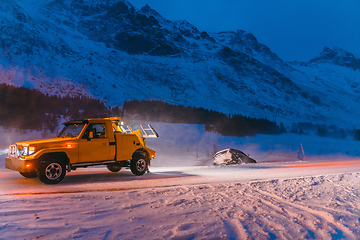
column 86, row 120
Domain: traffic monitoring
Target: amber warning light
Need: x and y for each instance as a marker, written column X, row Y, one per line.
column 31, row 150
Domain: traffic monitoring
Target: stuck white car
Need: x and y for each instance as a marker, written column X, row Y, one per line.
column 231, row 156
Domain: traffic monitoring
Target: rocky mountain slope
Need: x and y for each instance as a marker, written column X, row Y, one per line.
column 112, row 51
column 337, row 56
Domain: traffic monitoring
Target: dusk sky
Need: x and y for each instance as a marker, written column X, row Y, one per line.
column 294, row 30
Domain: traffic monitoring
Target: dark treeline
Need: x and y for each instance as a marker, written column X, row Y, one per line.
column 235, row 125
column 159, row 111
column 25, row 108
column 239, row 126
column 321, row 130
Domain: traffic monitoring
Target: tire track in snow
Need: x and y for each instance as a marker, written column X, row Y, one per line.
column 325, row 216
column 276, row 209
column 234, row 229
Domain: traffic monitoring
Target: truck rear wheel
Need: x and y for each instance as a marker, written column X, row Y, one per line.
column 114, row 167
column 52, row 171
column 31, row 174
column 138, row 165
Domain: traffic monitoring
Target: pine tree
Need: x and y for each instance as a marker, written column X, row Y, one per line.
column 357, row 135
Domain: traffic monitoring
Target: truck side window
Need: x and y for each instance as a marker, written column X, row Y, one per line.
column 98, row 130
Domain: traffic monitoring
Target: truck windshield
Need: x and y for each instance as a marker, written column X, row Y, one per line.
column 71, row 130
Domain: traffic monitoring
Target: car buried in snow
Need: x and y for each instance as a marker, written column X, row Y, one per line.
column 83, row 143
column 231, row 156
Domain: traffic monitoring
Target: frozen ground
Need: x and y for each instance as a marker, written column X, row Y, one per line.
column 185, row 197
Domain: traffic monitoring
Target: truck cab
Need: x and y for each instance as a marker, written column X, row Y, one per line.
column 83, row 143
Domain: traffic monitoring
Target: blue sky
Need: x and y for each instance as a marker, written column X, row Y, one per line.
column 293, row 29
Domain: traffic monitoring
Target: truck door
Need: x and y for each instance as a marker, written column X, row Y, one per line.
column 94, row 144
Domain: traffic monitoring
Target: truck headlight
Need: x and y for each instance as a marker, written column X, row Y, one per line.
column 23, row 151
column 12, row 150
column 26, row 150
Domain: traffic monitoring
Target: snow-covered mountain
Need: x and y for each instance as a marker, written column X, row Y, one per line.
column 111, row 50
column 337, row 56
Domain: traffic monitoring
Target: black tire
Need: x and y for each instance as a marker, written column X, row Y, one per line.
column 31, row 174
column 51, row 171
column 114, row 167
column 138, row 165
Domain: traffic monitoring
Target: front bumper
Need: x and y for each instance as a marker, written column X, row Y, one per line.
column 20, row 165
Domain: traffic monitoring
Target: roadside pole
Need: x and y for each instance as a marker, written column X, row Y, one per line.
column 302, row 149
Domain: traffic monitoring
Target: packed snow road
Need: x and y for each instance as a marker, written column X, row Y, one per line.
column 99, row 179
column 298, row 200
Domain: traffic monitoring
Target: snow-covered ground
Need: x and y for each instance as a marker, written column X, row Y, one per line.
column 186, row 197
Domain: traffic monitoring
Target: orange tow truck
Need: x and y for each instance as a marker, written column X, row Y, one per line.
column 83, row 143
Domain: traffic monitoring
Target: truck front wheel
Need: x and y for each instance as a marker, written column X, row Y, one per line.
column 138, row 165
column 51, row 172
